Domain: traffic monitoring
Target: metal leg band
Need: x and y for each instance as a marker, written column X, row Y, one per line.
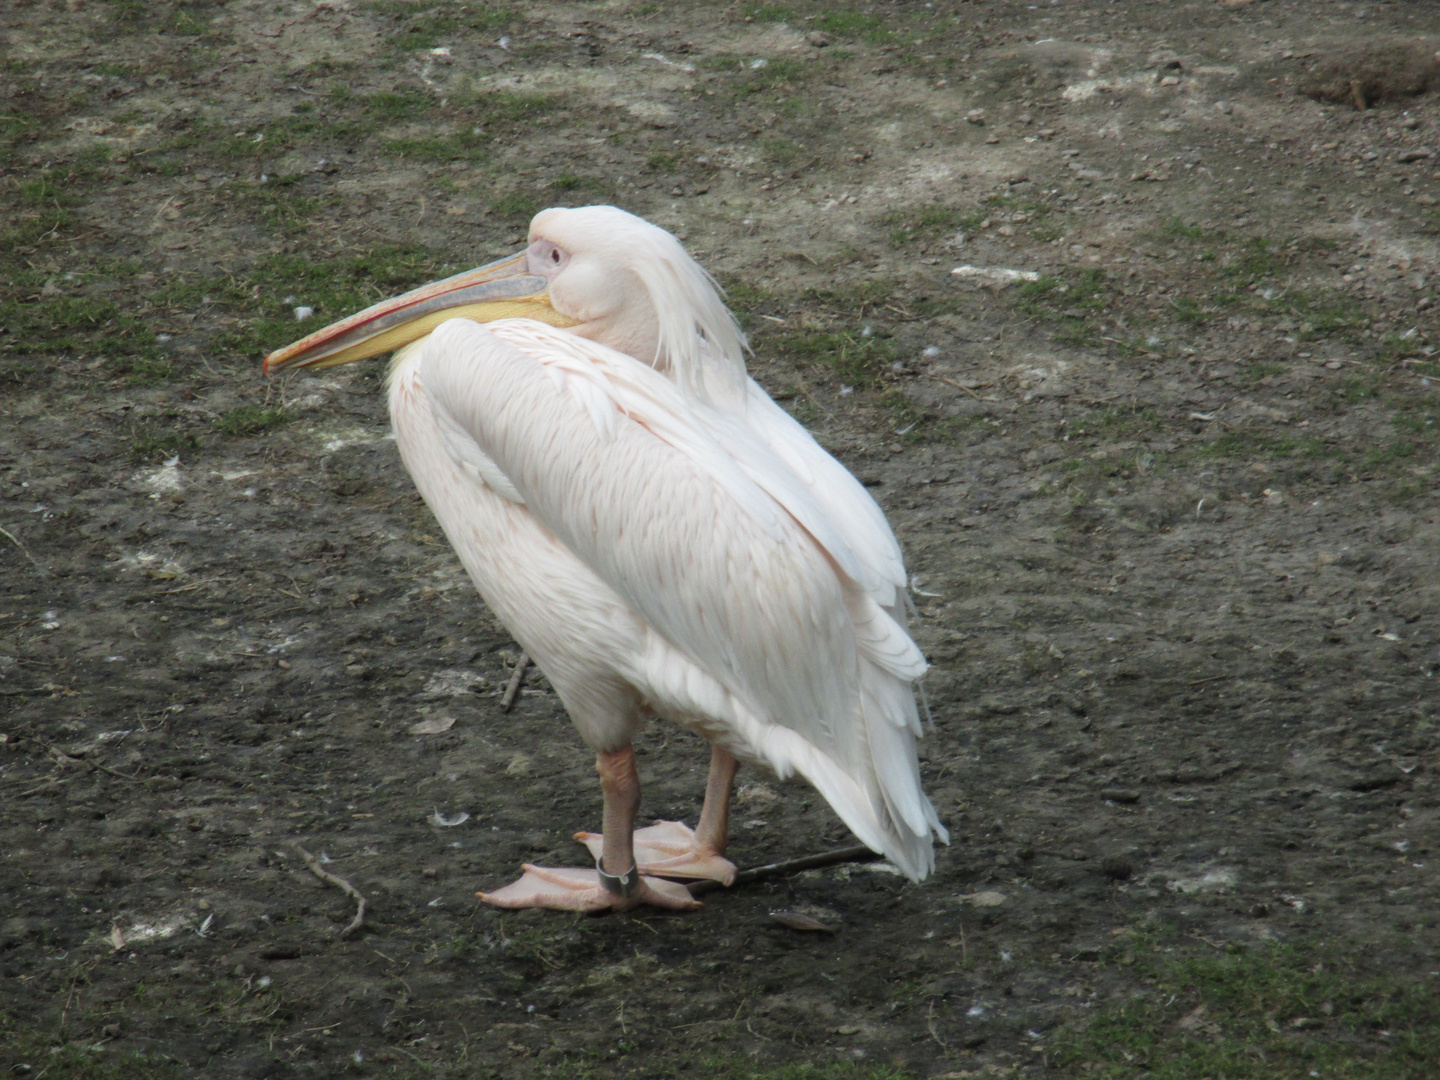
column 621, row 885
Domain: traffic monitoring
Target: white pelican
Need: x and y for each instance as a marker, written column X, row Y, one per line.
column 658, row 535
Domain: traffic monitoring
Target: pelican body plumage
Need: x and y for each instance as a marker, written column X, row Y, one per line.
column 659, row 536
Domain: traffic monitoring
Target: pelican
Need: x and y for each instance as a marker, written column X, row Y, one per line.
column 659, row 536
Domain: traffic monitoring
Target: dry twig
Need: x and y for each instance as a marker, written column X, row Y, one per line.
column 858, row 853
column 517, row 678
column 339, row 882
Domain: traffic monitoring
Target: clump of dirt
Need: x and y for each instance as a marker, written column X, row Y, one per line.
column 1365, row 74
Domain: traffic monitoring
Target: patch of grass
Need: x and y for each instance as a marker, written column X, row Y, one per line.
column 851, row 23
column 856, row 358
column 1255, row 1014
column 785, row 72
column 769, row 13
column 69, row 322
column 568, row 183
column 1321, row 314
column 45, row 191
column 281, row 203
column 1388, row 453
column 1115, row 424
column 1395, row 347
column 860, row 299
column 1251, row 446
column 457, row 146
column 508, row 107
column 1420, row 422
column 519, row 204
column 1256, row 260
column 117, row 70
column 1189, row 311
column 1261, row 369
column 780, row 150
column 425, row 25
column 907, row 422
column 1067, row 304
column 252, row 419
column 265, row 296
column 1358, row 388
column 745, row 299
column 928, row 222
column 1176, row 229
column 147, row 370
column 663, row 161
column 149, row 442
column 737, row 1067
column 35, row 1054
column 400, row 105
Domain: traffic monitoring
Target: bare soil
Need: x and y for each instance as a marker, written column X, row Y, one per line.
column 1170, row 508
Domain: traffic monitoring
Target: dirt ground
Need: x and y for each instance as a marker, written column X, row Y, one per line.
column 1169, row 504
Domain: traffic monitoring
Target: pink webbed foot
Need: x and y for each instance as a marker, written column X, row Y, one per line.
column 567, row 889
column 669, row 849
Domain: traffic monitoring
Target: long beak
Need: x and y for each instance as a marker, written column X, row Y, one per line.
column 498, row 290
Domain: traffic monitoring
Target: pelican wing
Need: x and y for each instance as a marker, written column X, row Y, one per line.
column 724, row 554
column 842, row 498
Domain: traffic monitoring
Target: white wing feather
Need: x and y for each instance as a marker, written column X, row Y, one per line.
column 840, row 496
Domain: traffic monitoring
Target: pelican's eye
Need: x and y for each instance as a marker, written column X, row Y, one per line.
column 545, row 258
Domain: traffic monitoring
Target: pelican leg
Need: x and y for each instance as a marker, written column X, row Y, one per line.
column 621, row 886
column 671, row 848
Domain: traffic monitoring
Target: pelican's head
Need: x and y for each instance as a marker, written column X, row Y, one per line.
column 601, row 272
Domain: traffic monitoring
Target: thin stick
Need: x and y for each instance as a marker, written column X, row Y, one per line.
column 349, row 890
column 63, row 758
column 858, row 853
column 24, row 551
column 512, row 688
column 962, row 386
